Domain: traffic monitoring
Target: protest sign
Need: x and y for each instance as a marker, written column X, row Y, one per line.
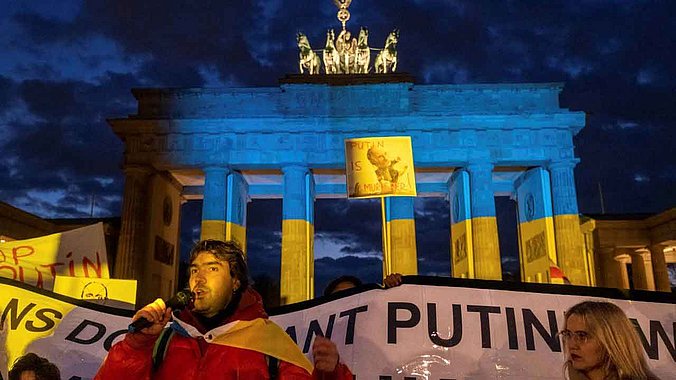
column 379, row 166
column 435, row 329
column 76, row 253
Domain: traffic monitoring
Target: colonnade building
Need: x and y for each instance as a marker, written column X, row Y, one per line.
column 470, row 144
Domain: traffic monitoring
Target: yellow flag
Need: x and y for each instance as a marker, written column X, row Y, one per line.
column 264, row 336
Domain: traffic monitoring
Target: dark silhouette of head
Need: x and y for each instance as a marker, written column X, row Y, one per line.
column 342, row 283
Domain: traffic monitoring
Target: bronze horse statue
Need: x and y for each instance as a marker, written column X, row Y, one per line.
column 330, row 54
column 307, row 57
column 386, row 60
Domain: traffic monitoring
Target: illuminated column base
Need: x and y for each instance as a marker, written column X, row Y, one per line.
column 402, row 256
column 403, row 249
column 213, row 230
column 486, row 248
column 462, row 253
column 297, row 277
column 537, row 249
column 236, row 233
column 569, row 249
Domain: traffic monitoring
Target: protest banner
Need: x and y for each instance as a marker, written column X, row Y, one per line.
column 434, row 328
column 76, row 253
column 101, row 291
column 72, row 333
column 379, row 166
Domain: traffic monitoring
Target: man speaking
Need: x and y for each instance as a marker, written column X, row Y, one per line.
column 226, row 334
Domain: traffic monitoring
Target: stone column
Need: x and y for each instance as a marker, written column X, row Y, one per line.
column 134, row 229
column 214, row 203
column 622, row 257
column 237, row 197
column 638, row 272
column 297, row 268
column 659, row 264
column 462, row 254
column 487, row 265
column 567, row 233
column 610, row 276
column 403, row 254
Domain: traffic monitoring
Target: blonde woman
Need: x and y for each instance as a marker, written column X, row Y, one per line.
column 602, row 344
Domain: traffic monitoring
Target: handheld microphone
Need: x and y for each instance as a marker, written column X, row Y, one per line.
column 177, row 302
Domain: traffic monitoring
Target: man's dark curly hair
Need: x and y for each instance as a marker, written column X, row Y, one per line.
column 43, row 369
column 228, row 251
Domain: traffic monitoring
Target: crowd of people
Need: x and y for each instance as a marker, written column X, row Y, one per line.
column 599, row 341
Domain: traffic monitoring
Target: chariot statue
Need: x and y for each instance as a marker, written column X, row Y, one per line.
column 344, row 54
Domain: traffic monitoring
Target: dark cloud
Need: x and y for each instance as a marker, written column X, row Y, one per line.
column 7, row 91
column 69, row 151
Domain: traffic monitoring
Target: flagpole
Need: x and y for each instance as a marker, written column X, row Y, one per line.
column 387, row 260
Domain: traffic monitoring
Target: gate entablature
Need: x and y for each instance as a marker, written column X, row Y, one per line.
column 313, row 99
column 450, row 125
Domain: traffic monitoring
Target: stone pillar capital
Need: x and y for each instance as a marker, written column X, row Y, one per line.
column 478, row 166
column 294, row 168
column 216, row 169
column 565, row 164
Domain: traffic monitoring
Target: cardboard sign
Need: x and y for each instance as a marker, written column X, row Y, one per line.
column 76, row 253
column 379, row 166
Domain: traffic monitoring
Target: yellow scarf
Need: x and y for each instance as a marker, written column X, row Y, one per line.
column 264, row 336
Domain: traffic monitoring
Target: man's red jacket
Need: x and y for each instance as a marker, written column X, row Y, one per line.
column 189, row 357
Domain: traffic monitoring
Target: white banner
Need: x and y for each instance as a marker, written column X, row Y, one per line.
column 441, row 332
column 412, row 331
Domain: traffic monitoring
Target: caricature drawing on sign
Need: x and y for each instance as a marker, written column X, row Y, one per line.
column 387, row 174
column 95, row 292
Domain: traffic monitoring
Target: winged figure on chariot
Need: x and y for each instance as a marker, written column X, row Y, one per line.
column 344, row 54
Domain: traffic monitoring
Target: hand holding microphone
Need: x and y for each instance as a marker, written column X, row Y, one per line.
column 153, row 317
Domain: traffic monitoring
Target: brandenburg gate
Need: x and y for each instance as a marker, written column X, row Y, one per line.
column 470, row 144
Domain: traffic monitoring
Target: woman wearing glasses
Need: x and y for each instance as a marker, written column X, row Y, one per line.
column 601, row 343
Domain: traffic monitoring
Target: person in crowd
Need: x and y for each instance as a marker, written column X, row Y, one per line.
column 34, row 367
column 225, row 334
column 601, row 343
column 324, row 351
column 342, row 283
column 349, row 282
